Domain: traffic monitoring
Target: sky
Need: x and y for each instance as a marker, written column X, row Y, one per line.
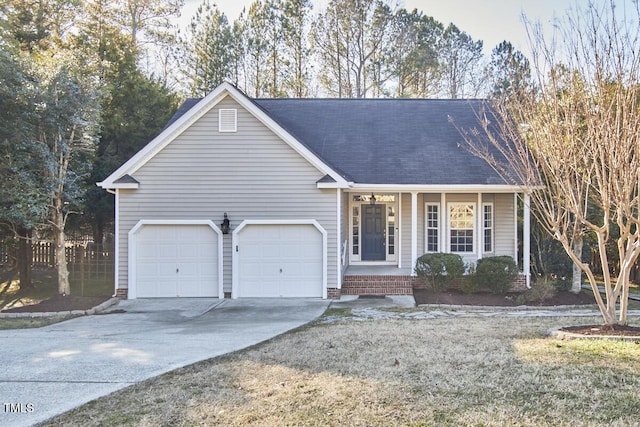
column 491, row 21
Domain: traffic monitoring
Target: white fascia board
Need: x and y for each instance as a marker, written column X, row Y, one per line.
column 199, row 110
column 332, row 185
column 472, row 188
column 124, row 186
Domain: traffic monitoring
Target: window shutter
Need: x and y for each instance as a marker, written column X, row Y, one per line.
column 228, row 120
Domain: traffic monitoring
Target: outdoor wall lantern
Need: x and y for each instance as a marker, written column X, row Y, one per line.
column 372, row 200
column 225, row 224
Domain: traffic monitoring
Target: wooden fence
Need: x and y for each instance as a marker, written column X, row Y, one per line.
column 90, row 260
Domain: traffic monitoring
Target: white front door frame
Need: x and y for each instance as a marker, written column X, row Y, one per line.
column 391, row 259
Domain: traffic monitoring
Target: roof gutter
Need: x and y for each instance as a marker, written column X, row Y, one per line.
column 456, row 188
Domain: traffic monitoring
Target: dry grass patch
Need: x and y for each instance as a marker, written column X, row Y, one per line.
column 459, row 371
column 594, row 353
column 31, row 322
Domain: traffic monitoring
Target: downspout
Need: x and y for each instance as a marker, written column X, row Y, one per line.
column 116, row 241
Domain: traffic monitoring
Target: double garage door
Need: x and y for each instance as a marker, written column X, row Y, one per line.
column 270, row 260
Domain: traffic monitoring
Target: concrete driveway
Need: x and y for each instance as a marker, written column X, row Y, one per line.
column 51, row 370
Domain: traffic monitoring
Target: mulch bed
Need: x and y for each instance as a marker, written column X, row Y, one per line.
column 60, row 303
column 454, row 297
column 603, row 330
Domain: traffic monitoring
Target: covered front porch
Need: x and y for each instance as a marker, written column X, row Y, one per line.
column 385, row 231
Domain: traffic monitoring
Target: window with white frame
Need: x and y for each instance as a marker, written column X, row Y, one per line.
column 355, row 230
column 391, row 230
column 461, row 220
column 487, row 226
column 432, row 227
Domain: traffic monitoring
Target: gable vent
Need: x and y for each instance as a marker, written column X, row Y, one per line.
column 228, row 120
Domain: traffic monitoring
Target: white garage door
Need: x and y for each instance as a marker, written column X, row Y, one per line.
column 176, row 261
column 279, row 261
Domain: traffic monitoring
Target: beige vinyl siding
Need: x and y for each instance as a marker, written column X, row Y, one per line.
column 504, row 236
column 250, row 174
column 431, row 198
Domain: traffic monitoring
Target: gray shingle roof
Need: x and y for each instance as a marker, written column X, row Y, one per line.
column 385, row 141
column 126, row 179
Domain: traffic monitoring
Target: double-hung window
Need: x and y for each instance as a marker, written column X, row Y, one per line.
column 461, row 226
column 487, row 226
column 432, row 222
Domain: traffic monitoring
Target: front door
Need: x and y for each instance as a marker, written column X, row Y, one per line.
column 373, row 233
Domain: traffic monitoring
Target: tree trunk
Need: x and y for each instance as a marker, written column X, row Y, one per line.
column 576, row 283
column 64, row 287
column 25, row 258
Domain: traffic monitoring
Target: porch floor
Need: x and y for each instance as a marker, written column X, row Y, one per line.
column 376, row 270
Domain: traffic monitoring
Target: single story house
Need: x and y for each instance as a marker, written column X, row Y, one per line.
column 244, row 197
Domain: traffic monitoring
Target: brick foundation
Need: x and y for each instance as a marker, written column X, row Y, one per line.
column 520, row 284
column 333, row 293
column 377, row 285
column 122, row 293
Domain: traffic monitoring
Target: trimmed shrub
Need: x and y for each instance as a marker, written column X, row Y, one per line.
column 438, row 270
column 496, row 273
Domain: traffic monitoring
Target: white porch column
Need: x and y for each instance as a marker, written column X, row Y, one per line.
column 479, row 228
column 339, row 238
column 414, row 230
column 399, row 226
column 442, row 226
column 515, row 225
column 526, row 240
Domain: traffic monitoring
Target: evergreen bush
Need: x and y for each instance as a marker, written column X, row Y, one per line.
column 438, row 270
column 496, row 273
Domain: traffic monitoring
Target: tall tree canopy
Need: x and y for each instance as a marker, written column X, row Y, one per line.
column 65, row 63
column 412, row 55
column 510, row 71
column 460, row 64
column 351, row 37
column 350, row 48
column 209, row 59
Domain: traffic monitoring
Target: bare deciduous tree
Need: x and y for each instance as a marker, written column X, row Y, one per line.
column 575, row 143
